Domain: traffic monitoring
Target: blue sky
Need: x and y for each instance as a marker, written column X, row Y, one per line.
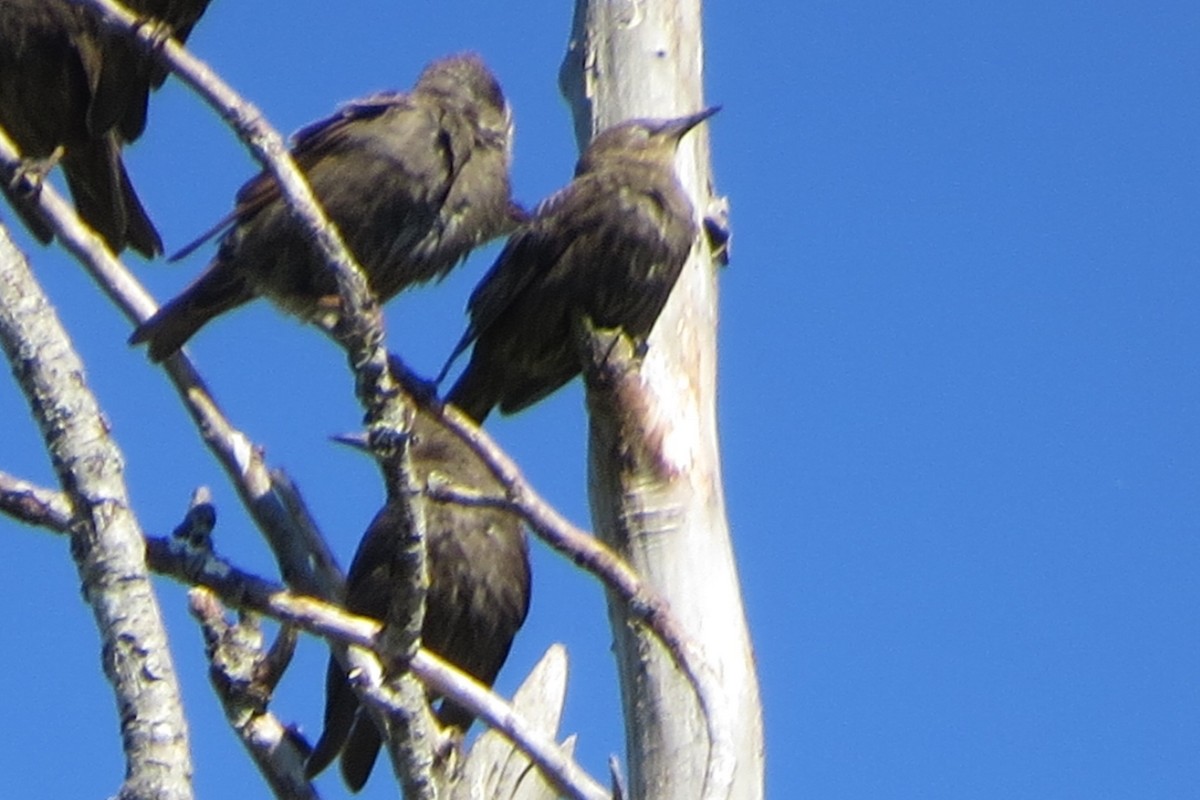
column 959, row 395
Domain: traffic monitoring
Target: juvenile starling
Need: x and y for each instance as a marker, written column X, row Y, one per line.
column 129, row 73
column 413, row 181
column 609, row 247
column 51, row 61
column 478, row 565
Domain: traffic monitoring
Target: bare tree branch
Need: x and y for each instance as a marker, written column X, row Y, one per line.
column 34, row 505
column 106, row 540
column 360, row 331
column 640, row 603
column 305, row 561
column 189, row 559
column 243, row 676
column 243, row 590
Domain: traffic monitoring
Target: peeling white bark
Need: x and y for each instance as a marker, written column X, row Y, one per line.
column 106, row 540
column 655, row 473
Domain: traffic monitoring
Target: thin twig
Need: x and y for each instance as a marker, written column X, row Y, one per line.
column 244, row 590
column 642, row 603
column 34, row 505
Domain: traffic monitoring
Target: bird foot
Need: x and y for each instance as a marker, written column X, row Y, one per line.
column 606, row 348
column 158, row 31
column 326, row 314
column 27, row 179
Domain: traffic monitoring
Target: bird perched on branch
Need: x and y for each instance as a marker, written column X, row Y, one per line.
column 53, row 90
column 129, row 73
column 413, row 182
column 479, row 587
column 608, row 248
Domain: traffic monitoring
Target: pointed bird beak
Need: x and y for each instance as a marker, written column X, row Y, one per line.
column 360, row 441
column 356, row 440
column 677, row 128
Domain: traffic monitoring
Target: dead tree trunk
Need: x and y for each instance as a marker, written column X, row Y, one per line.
column 655, row 473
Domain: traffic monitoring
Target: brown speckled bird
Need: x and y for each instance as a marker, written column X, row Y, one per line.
column 608, row 247
column 413, row 181
column 479, row 587
column 52, row 87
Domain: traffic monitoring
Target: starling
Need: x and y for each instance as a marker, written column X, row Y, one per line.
column 608, row 247
column 51, row 62
column 129, row 73
column 478, row 565
column 413, row 181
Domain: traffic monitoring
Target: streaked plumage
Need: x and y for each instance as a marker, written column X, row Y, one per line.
column 413, row 181
column 51, row 74
column 479, row 587
column 608, row 247
column 129, row 74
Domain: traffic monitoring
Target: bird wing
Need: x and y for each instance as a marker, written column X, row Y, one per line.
column 459, row 132
column 309, row 144
column 533, row 251
column 529, row 255
column 512, row 271
column 369, row 579
column 320, row 137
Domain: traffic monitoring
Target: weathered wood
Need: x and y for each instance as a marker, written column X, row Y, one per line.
column 495, row 768
column 655, row 475
column 106, row 540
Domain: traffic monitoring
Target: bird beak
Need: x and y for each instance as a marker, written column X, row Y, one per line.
column 677, row 128
column 356, row 440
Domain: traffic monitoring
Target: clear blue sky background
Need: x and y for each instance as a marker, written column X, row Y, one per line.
column 959, row 391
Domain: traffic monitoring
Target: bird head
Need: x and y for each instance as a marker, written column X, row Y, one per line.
column 466, row 81
column 640, row 139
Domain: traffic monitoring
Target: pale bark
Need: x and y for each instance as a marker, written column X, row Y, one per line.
column 106, row 540
column 244, row 674
column 655, row 476
column 498, row 765
column 409, row 734
column 496, row 768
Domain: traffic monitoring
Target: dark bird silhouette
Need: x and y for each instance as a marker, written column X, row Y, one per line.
column 609, row 247
column 129, row 74
column 51, row 67
column 479, row 587
column 413, row 181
